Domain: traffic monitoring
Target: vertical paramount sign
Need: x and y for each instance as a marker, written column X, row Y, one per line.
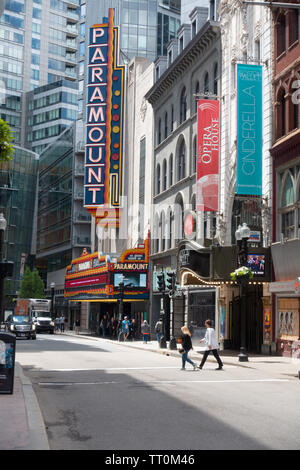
column 104, row 129
column 249, row 129
column 208, row 155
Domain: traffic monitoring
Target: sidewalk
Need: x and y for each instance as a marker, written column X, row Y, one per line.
column 22, row 424
column 24, row 428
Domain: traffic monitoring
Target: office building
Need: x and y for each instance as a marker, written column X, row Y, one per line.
column 38, row 44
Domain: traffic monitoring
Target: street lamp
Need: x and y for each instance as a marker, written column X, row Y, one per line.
column 3, row 225
column 241, row 235
column 52, row 287
column 121, row 297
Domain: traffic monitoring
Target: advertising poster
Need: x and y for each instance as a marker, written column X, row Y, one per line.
column 249, row 129
column 267, row 331
column 207, row 190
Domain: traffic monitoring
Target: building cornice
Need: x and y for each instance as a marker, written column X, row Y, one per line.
column 208, row 34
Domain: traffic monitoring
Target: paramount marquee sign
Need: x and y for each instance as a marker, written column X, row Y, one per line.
column 104, row 129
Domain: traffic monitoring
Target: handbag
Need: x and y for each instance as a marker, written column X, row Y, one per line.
column 181, row 350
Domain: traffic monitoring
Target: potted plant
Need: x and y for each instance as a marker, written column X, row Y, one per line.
column 241, row 274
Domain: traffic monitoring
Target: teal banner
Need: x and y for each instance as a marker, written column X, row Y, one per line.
column 249, row 129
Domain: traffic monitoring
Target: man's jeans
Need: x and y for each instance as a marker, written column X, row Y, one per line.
column 158, row 337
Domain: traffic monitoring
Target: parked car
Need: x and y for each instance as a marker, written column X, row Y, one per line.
column 21, row 325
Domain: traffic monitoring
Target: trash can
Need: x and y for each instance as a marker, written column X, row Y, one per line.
column 7, row 362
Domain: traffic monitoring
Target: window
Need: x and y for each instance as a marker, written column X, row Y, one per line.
column 206, row 84
column 159, row 132
column 170, row 228
column 181, row 44
column 164, row 181
column 194, row 28
column 172, row 118
column 287, row 208
column 197, row 91
column 281, row 114
column 171, row 170
column 293, row 26
column 166, row 125
column 35, row 74
column 216, row 80
column 158, row 179
column 36, row 43
column 37, row 13
column 181, row 161
column 281, row 34
column 194, row 169
column 183, row 106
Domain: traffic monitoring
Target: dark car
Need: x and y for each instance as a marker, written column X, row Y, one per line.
column 21, row 325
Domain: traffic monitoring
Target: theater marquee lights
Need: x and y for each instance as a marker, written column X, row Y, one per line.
column 104, row 129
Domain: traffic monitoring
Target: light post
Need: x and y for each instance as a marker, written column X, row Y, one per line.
column 121, row 305
column 52, row 287
column 3, row 225
column 241, row 235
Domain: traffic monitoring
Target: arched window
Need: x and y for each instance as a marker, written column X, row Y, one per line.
column 281, row 121
column 216, row 79
column 162, row 232
column 172, row 118
column 194, row 169
column 164, row 176
column 206, row 84
column 158, row 179
column 170, row 244
column 287, row 197
column 166, row 125
column 159, row 132
column 293, row 112
column 171, row 170
column 287, row 208
column 179, row 217
column 197, row 91
column 181, row 161
column 183, row 106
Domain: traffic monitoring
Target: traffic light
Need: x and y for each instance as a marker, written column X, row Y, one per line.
column 161, row 282
column 171, row 281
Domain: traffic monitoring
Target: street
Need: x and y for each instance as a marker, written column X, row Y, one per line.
column 98, row 394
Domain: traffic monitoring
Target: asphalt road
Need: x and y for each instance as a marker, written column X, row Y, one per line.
column 96, row 394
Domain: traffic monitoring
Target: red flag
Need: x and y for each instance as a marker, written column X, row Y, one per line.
column 208, row 155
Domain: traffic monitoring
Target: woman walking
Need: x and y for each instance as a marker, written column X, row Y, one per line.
column 212, row 345
column 186, row 347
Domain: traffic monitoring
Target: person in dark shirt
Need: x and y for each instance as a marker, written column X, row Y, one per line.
column 186, row 347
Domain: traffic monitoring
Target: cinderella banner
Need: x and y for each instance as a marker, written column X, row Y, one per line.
column 249, row 129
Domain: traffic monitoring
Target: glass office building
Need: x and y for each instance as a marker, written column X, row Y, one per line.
column 18, row 186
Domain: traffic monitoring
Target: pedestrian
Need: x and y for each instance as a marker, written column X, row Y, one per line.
column 62, row 323
column 103, row 325
column 125, row 328
column 159, row 330
column 211, row 345
column 186, row 346
column 57, row 324
column 77, row 325
column 145, row 329
column 133, row 328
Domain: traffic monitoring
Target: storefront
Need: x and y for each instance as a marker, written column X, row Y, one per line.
column 112, row 289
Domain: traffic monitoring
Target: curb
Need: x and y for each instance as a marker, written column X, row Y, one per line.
column 37, row 430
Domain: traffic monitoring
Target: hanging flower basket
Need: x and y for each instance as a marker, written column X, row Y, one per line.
column 241, row 273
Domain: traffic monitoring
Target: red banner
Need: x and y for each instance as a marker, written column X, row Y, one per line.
column 208, row 155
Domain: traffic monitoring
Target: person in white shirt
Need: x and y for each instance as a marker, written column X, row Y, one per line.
column 212, row 345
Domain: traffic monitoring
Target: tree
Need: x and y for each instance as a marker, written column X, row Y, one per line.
column 6, row 149
column 38, row 285
column 32, row 286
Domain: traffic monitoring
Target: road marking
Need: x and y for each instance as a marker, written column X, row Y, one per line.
column 64, row 384
column 122, row 369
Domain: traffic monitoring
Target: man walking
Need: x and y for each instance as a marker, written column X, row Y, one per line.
column 62, row 323
column 125, row 328
column 212, row 345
